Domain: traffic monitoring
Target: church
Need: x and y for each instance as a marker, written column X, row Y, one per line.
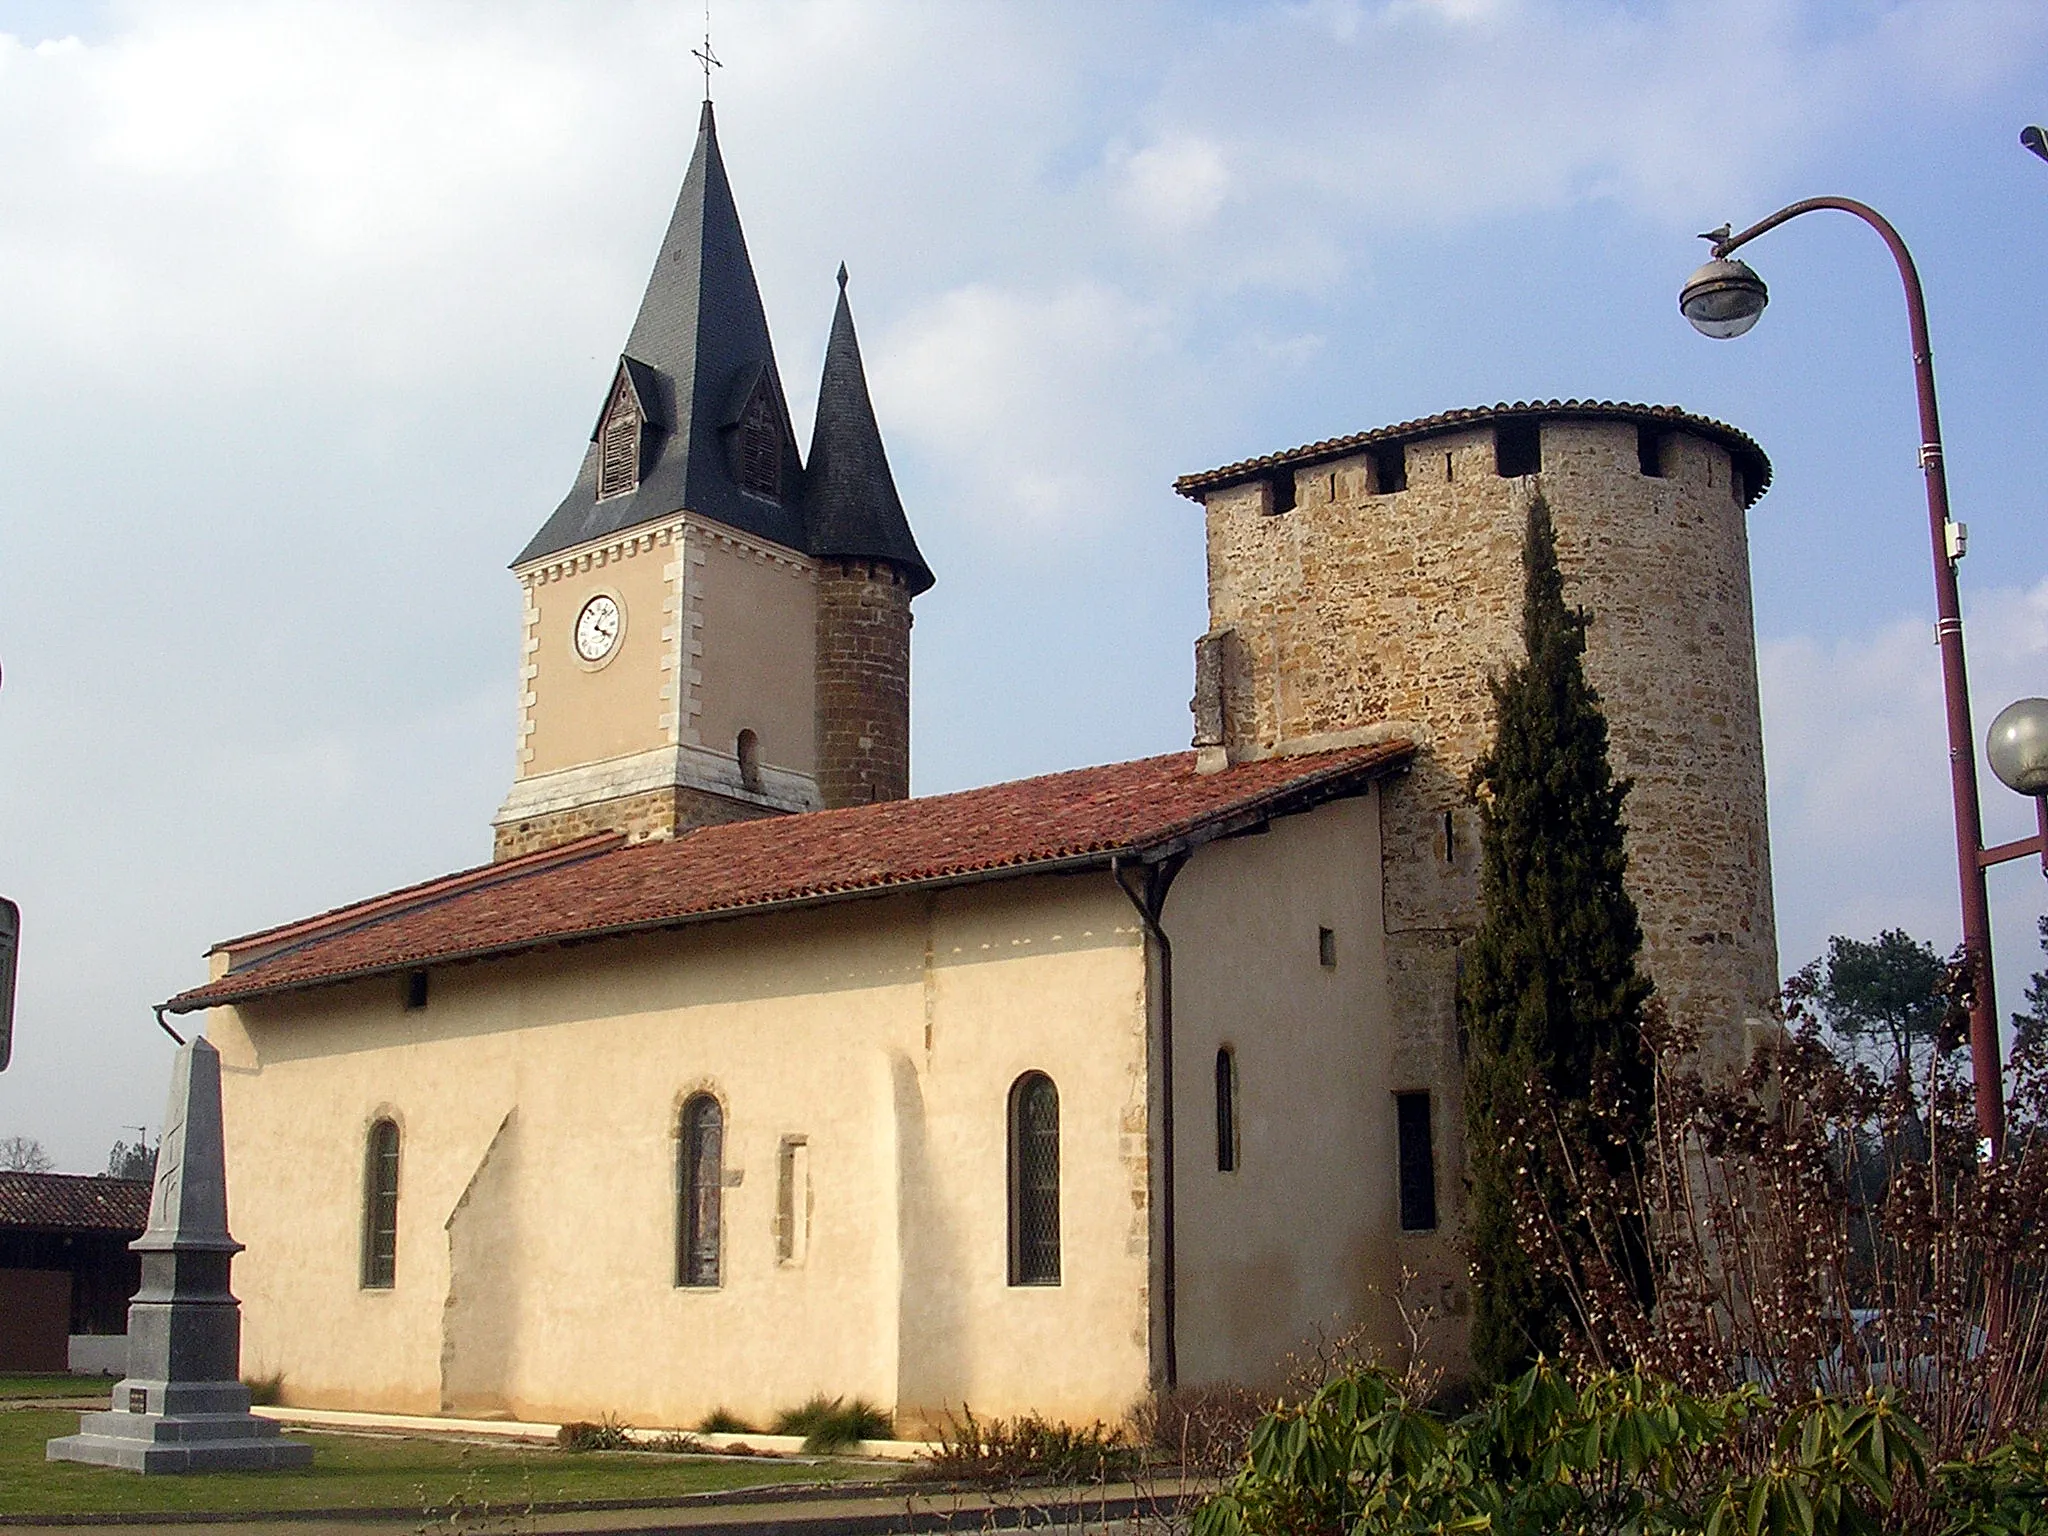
column 741, row 1075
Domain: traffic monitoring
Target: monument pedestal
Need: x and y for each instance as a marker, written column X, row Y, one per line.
column 182, row 1407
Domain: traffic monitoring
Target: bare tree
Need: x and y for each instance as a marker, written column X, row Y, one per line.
column 23, row 1154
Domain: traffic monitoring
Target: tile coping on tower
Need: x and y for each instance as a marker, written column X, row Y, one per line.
column 1756, row 466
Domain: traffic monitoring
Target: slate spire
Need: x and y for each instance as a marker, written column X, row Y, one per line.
column 700, row 359
column 850, row 502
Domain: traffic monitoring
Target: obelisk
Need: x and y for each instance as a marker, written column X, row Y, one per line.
column 182, row 1406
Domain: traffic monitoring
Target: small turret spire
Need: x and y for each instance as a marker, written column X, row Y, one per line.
column 851, row 508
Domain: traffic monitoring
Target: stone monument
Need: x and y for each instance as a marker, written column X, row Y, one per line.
column 182, row 1406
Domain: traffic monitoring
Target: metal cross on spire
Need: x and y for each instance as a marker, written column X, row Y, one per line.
column 704, row 55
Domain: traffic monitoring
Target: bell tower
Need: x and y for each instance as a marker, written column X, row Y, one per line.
column 711, row 633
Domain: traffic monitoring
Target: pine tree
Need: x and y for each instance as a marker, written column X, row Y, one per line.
column 1549, row 993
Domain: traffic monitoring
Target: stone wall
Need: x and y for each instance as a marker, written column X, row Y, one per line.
column 654, row 813
column 1355, row 609
column 863, row 673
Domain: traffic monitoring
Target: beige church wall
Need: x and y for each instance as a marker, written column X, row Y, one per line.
column 754, row 615
column 1303, row 1239
column 580, row 713
column 538, row 1100
column 1048, row 975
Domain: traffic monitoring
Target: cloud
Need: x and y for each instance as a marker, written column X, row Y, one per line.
column 1855, row 741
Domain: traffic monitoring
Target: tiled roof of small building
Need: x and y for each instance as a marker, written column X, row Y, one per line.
column 71, row 1202
column 602, row 888
column 1755, row 465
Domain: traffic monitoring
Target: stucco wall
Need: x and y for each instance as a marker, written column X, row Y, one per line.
column 539, row 1099
column 757, row 631
column 1303, row 1238
column 579, row 712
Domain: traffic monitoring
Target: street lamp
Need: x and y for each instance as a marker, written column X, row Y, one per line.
column 1724, row 299
column 2018, row 750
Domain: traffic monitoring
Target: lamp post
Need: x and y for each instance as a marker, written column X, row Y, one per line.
column 1723, row 299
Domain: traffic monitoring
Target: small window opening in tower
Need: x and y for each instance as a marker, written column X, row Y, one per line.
column 1326, row 948
column 1517, row 449
column 1416, row 1162
column 760, row 448
column 1389, row 469
column 748, row 750
column 1650, row 450
column 618, row 469
column 1226, row 1110
column 1280, row 489
column 415, row 991
column 1735, row 484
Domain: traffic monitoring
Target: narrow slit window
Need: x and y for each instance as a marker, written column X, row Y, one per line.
column 702, row 1150
column 1280, row 494
column 1417, row 1162
column 1517, row 449
column 748, row 750
column 1034, row 1181
column 1650, row 450
column 1226, row 1110
column 1390, row 470
column 1326, row 948
column 380, row 1208
column 415, row 991
column 793, row 1201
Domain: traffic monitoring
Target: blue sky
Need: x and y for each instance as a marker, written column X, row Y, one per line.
column 305, row 310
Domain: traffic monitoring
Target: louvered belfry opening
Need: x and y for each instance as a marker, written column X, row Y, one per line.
column 760, row 448
column 618, row 468
column 380, row 1208
column 1034, row 1181
column 703, row 1180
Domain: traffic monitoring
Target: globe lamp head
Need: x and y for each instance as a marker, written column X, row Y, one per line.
column 1723, row 299
column 2018, row 746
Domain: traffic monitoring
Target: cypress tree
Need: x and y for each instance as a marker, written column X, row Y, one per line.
column 1549, row 996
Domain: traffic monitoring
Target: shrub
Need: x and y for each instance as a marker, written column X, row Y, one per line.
column 1028, row 1449
column 608, row 1434
column 265, row 1390
column 723, row 1421
column 1546, row 1453
column 833, row 1424
column 1201, row 1429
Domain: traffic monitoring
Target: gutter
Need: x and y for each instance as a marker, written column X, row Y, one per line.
column 1150, row 900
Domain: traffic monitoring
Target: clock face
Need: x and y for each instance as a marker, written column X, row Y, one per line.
column 597, row 628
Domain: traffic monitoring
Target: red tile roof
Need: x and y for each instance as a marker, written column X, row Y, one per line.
column 600, row 887
column 71, row 1202
column 1756, row 466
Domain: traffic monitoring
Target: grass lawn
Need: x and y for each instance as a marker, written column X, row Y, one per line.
column 12, row 1385
column 370, row 1472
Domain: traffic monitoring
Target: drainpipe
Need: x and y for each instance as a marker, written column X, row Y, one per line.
column 163, row 1025
column 1149, row 897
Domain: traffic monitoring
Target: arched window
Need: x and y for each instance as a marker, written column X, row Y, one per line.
column 703, row 1181
column 1034, row 1181
column 380, row 1207
column 748, row 750
column 1226, row 1110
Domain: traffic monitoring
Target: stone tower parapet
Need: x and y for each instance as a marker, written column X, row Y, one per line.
column 863, row 682
column 1378, row 580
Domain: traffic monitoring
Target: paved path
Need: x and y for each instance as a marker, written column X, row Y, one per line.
column 1075, row 1512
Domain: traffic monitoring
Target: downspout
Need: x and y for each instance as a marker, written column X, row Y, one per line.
column 1150, row 899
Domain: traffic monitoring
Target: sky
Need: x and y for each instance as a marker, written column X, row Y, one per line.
column 306, row 309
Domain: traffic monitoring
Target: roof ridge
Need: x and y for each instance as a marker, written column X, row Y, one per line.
column 408, row 896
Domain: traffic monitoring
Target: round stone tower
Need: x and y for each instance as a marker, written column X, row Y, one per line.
column 863, row 682
column 1374, row 583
